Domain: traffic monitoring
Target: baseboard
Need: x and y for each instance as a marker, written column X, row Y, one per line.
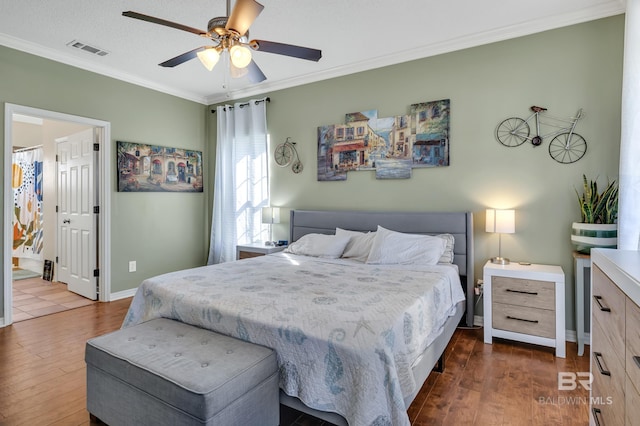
column 122, row 294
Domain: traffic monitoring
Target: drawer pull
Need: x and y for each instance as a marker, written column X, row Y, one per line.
column 600, row 305
column 533, row 293
column 522, row 319
column 596, row 357
column 596, row 415
column 636, row 358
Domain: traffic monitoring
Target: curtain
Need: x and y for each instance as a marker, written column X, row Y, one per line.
column 629, row 199
column 26, row 180
column 241, row 186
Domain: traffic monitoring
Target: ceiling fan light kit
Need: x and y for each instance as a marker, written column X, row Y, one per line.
column 231, row 34
column 237, row 72
column 240, row 56
column 209, row 57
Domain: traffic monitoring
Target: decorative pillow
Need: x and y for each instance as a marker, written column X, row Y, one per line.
column 359, row 244
column 319, row 245
column 447, row 256
column 391, row 247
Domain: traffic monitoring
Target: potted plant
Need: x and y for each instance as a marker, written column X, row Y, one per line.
column 599, row 210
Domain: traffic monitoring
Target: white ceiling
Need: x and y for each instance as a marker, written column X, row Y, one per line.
column 354, row 35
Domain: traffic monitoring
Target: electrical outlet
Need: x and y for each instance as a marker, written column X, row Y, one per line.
column 132, row 266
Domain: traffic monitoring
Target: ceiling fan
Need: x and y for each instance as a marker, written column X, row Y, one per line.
column 231, row 33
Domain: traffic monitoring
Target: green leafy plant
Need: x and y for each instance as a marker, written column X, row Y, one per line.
column 598, row 207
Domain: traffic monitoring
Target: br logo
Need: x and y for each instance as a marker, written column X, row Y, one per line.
column 568, row 380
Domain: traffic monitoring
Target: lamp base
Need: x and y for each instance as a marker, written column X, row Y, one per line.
column 500, row 260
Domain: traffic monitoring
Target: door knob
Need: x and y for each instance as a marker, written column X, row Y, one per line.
column 66, row 221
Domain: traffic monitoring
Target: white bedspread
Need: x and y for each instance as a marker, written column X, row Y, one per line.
column 345, row 333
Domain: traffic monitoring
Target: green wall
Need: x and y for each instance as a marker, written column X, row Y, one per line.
column 564, row 69
column 161, row 231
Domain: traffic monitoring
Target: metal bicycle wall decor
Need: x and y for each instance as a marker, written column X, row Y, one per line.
column 284, row 155
column 566, row 147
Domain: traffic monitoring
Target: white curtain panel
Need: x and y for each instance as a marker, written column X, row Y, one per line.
column 629, row 201
column 241, row 186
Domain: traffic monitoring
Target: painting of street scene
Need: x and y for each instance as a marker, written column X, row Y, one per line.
column 151, row 168
column 391, row 146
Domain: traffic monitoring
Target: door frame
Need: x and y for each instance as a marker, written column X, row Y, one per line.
column 104, row 196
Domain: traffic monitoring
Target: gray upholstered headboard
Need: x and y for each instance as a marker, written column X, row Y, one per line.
column 459, row 224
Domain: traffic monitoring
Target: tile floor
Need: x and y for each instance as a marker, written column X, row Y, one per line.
column 35, row 297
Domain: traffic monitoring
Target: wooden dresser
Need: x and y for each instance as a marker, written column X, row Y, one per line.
column 615, row 337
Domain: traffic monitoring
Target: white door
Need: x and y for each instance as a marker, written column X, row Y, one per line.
column 76, row 219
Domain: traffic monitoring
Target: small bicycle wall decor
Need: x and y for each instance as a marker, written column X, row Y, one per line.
column 566, row 146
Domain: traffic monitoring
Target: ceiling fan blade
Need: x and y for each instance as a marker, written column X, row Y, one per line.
column 286, row 49
column 243, row 14
column 164, row 22
column 255, row 73
column 187, row 56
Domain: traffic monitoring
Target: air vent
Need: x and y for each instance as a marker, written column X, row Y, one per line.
column 87, row 48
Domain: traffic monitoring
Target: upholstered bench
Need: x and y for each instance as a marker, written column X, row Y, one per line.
column 164, row 372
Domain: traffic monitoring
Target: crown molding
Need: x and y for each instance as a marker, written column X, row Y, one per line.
column 57, row 56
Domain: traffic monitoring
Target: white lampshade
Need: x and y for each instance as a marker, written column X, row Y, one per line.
column 209, row 57
column 240, row 56
column 271, row 215
column 501, row 221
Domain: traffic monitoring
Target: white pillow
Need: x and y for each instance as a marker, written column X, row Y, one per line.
column 390, row 247
column 359, row 244
column 447, row 256
column 319, row 245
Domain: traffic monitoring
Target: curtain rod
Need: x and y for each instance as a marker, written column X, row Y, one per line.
column 267, row 99
column 28, row 148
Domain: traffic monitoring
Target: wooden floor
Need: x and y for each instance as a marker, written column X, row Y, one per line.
column 42, row 377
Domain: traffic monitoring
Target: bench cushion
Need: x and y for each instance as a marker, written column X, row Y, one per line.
column 197, row 370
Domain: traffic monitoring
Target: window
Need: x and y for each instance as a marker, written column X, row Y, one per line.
column 241, row 183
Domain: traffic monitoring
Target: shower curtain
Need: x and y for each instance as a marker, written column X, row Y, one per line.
column 27, row 203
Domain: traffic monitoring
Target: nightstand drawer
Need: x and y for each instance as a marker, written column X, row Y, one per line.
column 525, row 320
column 608, row 309
column 248, row 254
column 523, row 292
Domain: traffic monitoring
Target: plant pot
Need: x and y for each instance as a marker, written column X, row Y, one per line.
column 585, row 236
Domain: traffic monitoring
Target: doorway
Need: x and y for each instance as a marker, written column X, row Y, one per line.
column 58, row 121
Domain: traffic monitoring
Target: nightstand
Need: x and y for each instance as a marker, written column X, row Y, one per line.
column 246, row 251
column 525, row 303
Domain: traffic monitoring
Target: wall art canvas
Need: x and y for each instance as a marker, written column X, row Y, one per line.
column 392, row 146
column 28, row 208
column 151, row 168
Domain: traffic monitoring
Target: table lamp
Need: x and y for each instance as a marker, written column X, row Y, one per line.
column 502, row 222
column 270, row 215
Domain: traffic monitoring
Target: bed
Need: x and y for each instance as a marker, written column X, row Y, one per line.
column 359, row 352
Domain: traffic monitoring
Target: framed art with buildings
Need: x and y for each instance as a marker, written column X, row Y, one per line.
column 152, row 168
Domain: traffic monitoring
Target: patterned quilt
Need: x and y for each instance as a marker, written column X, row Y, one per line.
column 346, row 333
